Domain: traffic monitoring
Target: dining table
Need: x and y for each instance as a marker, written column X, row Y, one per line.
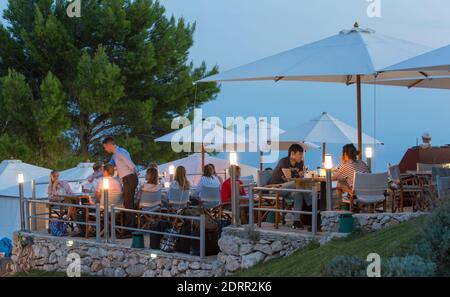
column 78, row 199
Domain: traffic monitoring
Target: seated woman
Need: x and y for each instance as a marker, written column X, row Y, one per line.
column 225, row 195
column 57, row 188
column 346, row 169
column 151, row 184
column 115, row 191
column 180, row 183
column 215, row 173
column 208, row 179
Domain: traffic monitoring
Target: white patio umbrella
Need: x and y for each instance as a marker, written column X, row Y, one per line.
column 204, row 133
column 350, row 57
column 271, row 135
column 431, row 69
column 327, row 129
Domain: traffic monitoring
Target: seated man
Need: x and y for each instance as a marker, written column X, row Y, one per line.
column 346, row 170
column 292, row 167
column 225, row 195
column 115, row 187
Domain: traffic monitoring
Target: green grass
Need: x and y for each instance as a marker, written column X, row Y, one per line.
column 395, row 240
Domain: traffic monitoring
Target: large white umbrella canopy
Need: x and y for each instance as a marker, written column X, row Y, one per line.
column 9, row 170
column 206, row 132
column 76, row 174
column 432, row 70
column 352, row 56
column 193, row 165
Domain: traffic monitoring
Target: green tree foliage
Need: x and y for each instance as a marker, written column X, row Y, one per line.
column 120, row 69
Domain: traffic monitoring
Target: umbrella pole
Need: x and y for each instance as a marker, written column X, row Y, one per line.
column 358, row 106
column 323, row 153
column 203, row 157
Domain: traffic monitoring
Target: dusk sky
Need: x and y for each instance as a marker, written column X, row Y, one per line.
column 234, row 32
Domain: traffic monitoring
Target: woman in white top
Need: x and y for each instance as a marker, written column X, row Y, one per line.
column 180, row 181
column 151, row 183
column 208, row 179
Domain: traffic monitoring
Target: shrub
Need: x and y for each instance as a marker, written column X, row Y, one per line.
column 408, row 266
column 346, row 266
column 434, row 237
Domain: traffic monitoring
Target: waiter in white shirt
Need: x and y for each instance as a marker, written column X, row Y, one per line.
column 128, row 173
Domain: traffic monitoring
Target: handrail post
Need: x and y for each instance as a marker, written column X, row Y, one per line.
column 202, row 236
column 251, row 219
column 314, row 210
column 113, row 223
column 105, row 214
column 33, row 206
column 97, row 222
column 235, row 199
column 27, row 215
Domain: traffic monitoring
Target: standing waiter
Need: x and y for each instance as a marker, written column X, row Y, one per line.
column 128, row 172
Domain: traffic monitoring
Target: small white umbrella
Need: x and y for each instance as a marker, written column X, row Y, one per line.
column 327, row 129
column 255, row 136
column 350, row 57
column 195, row 134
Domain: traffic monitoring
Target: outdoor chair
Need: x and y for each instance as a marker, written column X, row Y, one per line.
column 369, row 189
column 442, row 187
column 403, row 188
column 113, row 198
column 210, row 196
column 177, row 198
column 149, row 201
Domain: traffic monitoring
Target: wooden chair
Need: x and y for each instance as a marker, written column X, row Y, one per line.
column 403, row 188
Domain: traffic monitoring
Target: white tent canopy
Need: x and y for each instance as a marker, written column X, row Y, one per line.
column 193, row 165
column 9, row 192
column 352, row 56
column 328, row 129
column 79, row 173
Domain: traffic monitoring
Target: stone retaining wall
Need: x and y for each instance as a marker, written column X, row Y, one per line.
column 48, row 253
column 366, row 221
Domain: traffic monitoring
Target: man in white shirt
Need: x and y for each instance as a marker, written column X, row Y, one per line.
column 128, row 173
column 115, row 187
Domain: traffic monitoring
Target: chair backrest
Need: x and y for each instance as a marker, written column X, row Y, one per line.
column 421, row 167
column 370, row 184
column 149, row 199
column 439, row 172
column 210, row 196
column 178, row 198
column 394, row 173
column 264, row 177
column 113, row 198
column 443, row 186
column 246, row 180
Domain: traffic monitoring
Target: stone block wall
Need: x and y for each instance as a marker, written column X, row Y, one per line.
column 366, row 221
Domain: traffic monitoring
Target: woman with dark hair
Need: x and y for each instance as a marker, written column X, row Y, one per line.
column 346, row 170
column 151, row 184
column 215, row 173
column 208, row 179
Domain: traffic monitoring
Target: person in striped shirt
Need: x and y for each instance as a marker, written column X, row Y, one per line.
column 346, row 170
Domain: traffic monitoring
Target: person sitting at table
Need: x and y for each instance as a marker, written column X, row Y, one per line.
column 180, row 181
column 215, row 173
column 58, row 188
column 151, row 184
column 288, row 167
column 115, row 190
column 92, row 180
column 346, row 170
column 208, row 179
column 225, row 195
